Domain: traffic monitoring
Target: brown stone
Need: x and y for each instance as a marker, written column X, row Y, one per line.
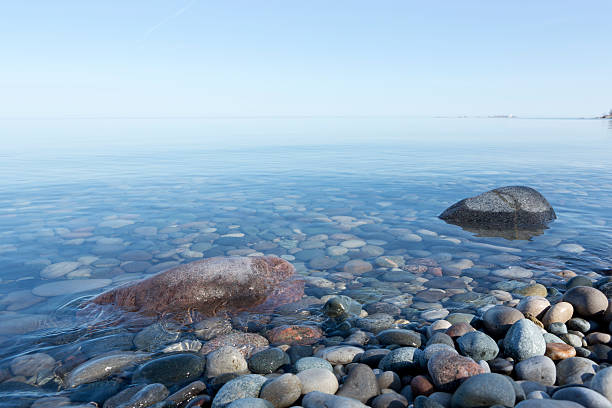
column 447, row 369
column 534, row 305
column 294, row 335
column 498, row 319
column 421, row 385
column 459, row 329
column 208, row 287
column 559, row 351
column 559, row 313
column 587, row 301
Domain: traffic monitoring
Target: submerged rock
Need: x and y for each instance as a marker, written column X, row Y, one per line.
column 208, row 287
column 513, row 212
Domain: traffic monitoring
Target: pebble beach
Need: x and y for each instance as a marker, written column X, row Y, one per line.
column 397, row 308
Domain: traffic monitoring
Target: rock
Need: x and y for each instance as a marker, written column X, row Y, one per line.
column 102, row 367
column 173, row 369
column 421, row 385
column 447, row 369
column 341, row 307
column 602, row 382
column 484, row 390
column 282, row 391
column 513, row 272
column 583, row 396
column 244, row 386
column 268, row 361
column 357, row 267
column 390, row 399
column 524, row 340
column 207, row 286
column 146, row 396
column 224, row 360
column 579, row 280
column 154, row 337
column 400, row 337
column 389, row 380
column 547, row 403
column 534, row 305
column 123, row 397
column 375, row 323
column 31, row 364
column 512, row 208
column 318, row 379
column 459, row 329
column 305, row 363
column 422, row 357
column 67, row 287
column 294, row 334
column 424, row 402
column 186, row 393
column 250, row 403
column 559, row 351
column 441, row 338
column 247, row 343
column 540, row 369
column 575, row 370
column 586, row 301
column 360, row 384
column 558, row 313
column 317, row 399
column 478, row 346
column 498, row 320
column 212, row 327
column 339, row 354
column 59, row 269
column 536, row 289
column 399, row 360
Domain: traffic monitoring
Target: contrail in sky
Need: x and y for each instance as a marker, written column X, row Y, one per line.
column 176, row 14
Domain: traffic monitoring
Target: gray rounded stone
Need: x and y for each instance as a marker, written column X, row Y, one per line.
column 540, row 369
column 484, row 390
column 282, row 391
column 478, row 346
column 224, row 360
column 360, row 383
column 602, row 382
column 242, row 387
column 583, row 396
column 575, row 370
column 305, row 363
column 398, row 360
column 524, row 340
column 401, row 337
column 267, row 361
column 318, row 379
column 504, row 208
column 173, row 369
column 250, row 403
column 317, row 399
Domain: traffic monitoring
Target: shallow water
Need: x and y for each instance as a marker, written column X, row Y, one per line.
column 121, row 199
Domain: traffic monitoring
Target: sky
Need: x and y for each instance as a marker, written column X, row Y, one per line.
column 183, row 58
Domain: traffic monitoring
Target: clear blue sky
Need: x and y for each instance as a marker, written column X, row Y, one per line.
column 310, row 57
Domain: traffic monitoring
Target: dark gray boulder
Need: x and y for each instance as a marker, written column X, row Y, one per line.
column 513, row 212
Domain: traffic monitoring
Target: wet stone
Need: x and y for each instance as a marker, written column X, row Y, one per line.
column 485, row 390
column 268, row 361
column 154, row 337
column 400, row 337
column 173, row 369
column 447, row 370
column 211, row 327
column 478, row 346
column 225, row 360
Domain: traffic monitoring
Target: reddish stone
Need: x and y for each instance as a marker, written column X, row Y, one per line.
column 421, row 385
column 208, row 287
column 559, row 351
column 459, row 329
column 294, row 335
column 447, row 369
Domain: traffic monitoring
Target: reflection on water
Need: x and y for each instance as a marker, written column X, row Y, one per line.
column 75, row 223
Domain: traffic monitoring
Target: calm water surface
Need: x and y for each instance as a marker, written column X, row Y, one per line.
column 116, row 200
